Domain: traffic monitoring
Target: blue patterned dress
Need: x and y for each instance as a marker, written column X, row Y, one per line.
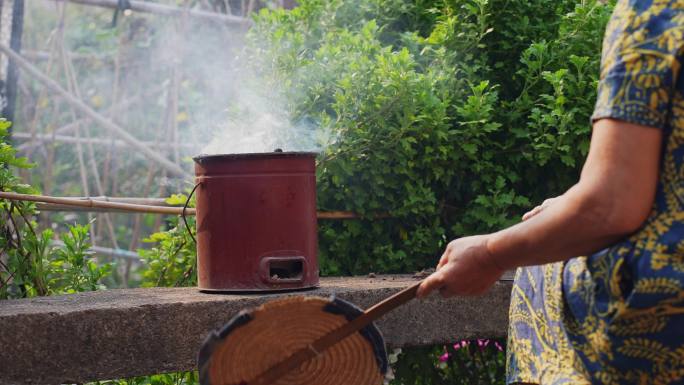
column 617, row 316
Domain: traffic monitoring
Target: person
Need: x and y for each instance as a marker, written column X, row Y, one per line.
column 615, row 314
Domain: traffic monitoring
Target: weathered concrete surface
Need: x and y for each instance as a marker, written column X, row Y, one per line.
column 122, row 333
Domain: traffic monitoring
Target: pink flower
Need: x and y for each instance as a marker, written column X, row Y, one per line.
column 461, row 344
column 444, row 357
column 482, row 343
column 498, row 346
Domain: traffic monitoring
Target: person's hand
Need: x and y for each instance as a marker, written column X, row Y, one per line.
column 466, row 268
column 539, row 208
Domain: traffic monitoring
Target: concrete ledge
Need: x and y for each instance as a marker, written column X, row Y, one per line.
column 122, row 333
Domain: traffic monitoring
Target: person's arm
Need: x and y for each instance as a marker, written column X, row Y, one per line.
column 612, row 199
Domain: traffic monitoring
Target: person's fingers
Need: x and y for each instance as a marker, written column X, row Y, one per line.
column 445, row 256
column 443, row 260
column 431, row 283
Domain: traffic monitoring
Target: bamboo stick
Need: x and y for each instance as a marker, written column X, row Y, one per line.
column 128, row 255
column 141, row 205
column 42, row 94
column 128, row 200
column 44, row 55
column 109, row 174
column 83, row 172
column 173, row 168
column 57, row 47
column 88, row 202
column 71, row 126
column 337, row 215
column 109, row 252
column 75, row 89
column 103, row 142
column 181, row 29
column 168, row 10
column 137, row 224
column 62, row 208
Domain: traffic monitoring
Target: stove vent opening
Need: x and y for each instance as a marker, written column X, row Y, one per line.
column 284, row 269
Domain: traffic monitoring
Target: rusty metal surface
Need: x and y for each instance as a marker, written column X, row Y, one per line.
column 256, row 221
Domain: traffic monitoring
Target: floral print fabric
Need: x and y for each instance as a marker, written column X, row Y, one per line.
column 617, row 316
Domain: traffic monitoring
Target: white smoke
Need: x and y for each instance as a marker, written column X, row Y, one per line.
column 255, row 123
column 257, row 119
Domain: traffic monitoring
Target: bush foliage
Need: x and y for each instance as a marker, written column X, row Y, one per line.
column 32, row 262
column 450, row 116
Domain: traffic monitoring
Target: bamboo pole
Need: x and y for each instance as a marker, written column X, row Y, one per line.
column 88, row 202
column 103, row 142
column 151, row 171
column 137, row 223
column 173, row 168
column 83, row 172
column 128, row 200
column 61, row 208
column 128, row 255
column 109, row 173
column 143, row 205
column 44, row 55
column 168, row 10
column 75, row 89
column 181, row 29
column 41, row 95
column 109, row 252
column 67, row 128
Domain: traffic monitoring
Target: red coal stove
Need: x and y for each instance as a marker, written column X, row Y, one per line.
column 256, row 221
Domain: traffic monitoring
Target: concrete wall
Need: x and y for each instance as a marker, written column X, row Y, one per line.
column 121, row 333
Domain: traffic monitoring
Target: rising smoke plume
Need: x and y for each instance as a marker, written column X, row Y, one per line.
column 222, row 106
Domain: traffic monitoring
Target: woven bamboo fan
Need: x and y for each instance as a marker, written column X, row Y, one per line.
column 300, row 341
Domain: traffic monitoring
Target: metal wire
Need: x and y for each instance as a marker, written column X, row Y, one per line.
column 185, row 207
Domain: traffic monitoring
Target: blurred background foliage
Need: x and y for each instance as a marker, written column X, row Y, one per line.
column 450, row 117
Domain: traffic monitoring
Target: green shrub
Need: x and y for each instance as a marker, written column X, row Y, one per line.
column 31, row 262
column 476, row 362
column 180, row 378
column 172, row 258
column 452, row 126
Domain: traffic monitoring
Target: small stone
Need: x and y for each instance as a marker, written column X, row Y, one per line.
column 371, row 275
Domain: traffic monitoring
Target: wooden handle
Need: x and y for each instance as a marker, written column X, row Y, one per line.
column 322, row 343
